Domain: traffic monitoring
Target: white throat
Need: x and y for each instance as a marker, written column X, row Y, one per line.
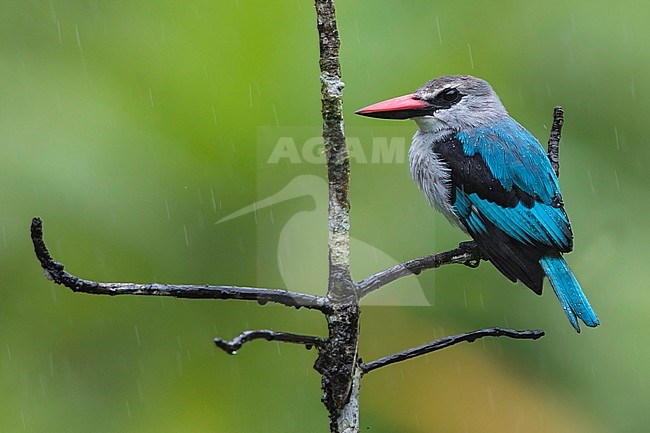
column 431, row 124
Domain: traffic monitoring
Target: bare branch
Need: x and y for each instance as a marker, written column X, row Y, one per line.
column 55, row 272
column 466, row 254
column 554, row 139
column 449, row 341
column 236, row 343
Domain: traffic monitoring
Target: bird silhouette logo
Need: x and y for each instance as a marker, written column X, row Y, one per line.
column 302, row 247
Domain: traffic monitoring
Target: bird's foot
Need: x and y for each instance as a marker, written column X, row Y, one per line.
column 470, row 247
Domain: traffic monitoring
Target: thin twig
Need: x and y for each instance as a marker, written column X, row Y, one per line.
column 236, row 343
column 466, row 254
column 554, row 139
column 449, row 341
column 55, row 272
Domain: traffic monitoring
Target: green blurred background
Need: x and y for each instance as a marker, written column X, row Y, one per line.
column 132, row 127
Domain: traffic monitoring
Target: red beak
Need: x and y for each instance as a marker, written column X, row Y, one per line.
column 402, row 107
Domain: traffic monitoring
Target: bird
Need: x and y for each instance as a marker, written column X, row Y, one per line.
column 301, row 246
column 489, row 176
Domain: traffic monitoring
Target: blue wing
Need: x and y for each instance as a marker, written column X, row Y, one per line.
column 507, row 196
column 514, row 157
column 515, row 160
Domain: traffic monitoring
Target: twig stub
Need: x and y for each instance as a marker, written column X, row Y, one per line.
column 231, row 347
column 554, row 139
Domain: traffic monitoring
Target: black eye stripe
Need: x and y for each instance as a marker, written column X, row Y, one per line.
column 447, row 98
column 450, row 95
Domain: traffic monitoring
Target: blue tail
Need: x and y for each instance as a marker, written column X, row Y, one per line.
column 568, row 291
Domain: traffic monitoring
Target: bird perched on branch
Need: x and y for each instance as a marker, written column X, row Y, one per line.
column 488, row 175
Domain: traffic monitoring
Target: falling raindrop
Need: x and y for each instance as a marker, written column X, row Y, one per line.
column 137, row 336
column 43, row 382
column 439, row 32
column 76, row 29
column 471, row 57
column 618, row 145
column 275, row 114
column 187, row 240
column 214, row 201
column 591, row 182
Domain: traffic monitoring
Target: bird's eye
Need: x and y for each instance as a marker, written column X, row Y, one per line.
column 450, row 95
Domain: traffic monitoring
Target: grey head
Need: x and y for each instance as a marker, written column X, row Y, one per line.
column 447, row 103
column 460, row 101
column 441, row 107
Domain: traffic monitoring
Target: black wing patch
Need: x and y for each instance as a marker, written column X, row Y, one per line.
column 472, row 174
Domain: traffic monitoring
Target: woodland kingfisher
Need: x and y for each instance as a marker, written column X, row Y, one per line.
column 489, row 176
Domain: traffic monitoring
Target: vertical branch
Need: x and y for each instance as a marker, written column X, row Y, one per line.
column 337, row 359
column 338, row 164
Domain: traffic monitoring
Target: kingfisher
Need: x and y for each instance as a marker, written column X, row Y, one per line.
column 490, row 177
